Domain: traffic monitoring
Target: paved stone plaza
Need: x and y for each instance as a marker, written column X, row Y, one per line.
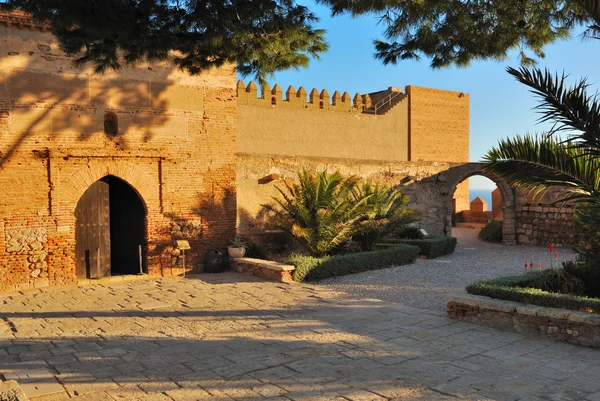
column 231, row 336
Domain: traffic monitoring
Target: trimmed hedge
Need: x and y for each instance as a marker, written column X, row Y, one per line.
column 519, row 289
column 432, row 247
column 309, row 268
column 492, row 232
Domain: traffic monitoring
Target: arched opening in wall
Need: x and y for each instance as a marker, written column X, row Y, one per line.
column 477, row 201
column 273, row 101
column 111, row 124
column 110, row 230
column 320, row 105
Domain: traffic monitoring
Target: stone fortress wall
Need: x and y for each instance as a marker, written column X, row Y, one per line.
column 384, row 136
column 174, row 144
column 196, row 149
column 417, row 138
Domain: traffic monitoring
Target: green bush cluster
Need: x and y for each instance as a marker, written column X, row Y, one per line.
column 310, row 268
column 521, row 288
column 432, row 247
column 492, row 232
column 254, row 250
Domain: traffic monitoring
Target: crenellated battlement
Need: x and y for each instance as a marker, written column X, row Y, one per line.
column 300, row 99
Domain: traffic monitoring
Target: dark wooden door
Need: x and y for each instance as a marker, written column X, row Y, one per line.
column 92, row 249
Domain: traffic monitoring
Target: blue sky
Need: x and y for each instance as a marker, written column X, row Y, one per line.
column 500, row 107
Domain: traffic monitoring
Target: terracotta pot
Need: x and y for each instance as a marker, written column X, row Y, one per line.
column 235, row 252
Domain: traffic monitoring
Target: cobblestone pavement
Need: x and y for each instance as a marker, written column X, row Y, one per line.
column 234, row 337
column 424, row 283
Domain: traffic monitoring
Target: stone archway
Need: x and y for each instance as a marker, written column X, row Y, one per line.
column 457, row 174
column 110, row 230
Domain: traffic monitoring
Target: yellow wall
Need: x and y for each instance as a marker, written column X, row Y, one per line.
column 299, row 129
column 439, row 130
column 439, row 125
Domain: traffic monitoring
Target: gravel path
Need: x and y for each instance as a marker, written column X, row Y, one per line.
column 423, row 283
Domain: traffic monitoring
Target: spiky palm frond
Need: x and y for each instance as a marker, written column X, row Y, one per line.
column 541, row 163
column 570, row 108
column 386, row 212
column 321, row 210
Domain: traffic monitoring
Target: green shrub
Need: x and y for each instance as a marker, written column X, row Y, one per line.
column 253, row 250
column 409, row 233
column 558, row 279
column 321, row 210
column 432, row 247
column 587, row 270
column 492, row 232
column 309, row 268
column 520, row 289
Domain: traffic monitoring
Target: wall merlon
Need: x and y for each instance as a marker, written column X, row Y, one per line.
column 358, row 100
column 366, row 100
column 301, row 96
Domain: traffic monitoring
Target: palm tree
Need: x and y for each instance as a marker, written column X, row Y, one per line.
column 386, row 213
column 322, row 210
column 566, row 158
column 541, row 163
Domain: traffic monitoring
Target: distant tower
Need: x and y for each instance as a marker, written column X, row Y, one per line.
column 478, row 205
column 497, row 205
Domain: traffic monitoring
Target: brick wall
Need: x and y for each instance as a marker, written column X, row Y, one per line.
column 439, row 130
column 175, row 147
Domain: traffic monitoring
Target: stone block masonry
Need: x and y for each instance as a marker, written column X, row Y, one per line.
column 264, row 268
column 542, row 224
column 559, row 324
column 170, row 136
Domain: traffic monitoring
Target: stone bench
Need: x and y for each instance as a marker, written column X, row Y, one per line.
column 10, row 391
column 264, row 268
column 560, row 324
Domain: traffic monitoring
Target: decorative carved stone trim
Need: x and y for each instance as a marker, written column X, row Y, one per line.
column 21, row 20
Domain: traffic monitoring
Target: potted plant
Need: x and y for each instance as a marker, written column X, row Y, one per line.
column 237, row 249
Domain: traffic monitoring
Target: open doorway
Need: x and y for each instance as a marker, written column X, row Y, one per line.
column 478, row 205
column 110, row 230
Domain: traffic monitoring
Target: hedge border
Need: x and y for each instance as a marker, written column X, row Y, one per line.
column 309, row 268
column 518, row 288
column 431, row 248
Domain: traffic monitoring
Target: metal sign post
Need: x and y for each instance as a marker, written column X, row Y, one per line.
column 182, row 245
column 97, row 262
column 140, row 256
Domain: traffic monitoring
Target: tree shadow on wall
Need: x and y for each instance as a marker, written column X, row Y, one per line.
column 263, row 230
column 61, row 111
column 215, row 209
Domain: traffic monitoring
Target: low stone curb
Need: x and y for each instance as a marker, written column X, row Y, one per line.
column 264, row 268
column 561, row 324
